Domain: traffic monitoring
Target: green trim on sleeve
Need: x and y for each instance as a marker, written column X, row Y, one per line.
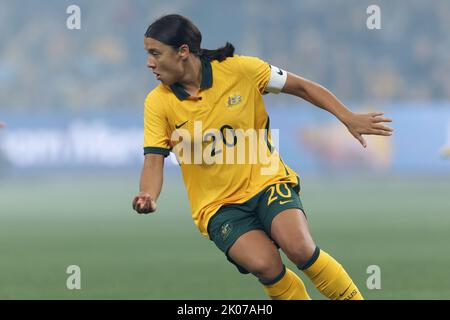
column 165, row 152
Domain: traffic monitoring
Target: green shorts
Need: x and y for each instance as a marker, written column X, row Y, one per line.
column 232, row 221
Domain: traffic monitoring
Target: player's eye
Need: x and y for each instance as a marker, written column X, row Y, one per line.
column 154, row 53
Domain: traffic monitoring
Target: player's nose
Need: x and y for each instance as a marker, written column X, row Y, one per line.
column 151, row 63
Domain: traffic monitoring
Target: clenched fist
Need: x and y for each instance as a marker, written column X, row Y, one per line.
column 144, row 203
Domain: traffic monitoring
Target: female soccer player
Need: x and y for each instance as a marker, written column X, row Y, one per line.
column 206, row 97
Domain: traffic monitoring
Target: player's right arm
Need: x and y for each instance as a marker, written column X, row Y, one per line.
column 156, row 148
column 150, row 184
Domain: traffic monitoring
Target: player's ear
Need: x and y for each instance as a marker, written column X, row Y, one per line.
column 183, row 51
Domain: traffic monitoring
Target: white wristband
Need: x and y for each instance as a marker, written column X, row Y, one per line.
column 277, row 80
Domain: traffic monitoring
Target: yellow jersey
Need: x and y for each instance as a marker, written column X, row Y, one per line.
column 228, row 104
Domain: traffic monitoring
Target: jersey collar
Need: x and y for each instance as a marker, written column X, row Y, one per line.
column 207, row 80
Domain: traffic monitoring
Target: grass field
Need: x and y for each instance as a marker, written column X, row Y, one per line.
column 50, row 222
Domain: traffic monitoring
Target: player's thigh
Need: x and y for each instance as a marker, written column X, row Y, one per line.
column 291, row 232
column 282, row 215
column 237, row 229
column 255, row 252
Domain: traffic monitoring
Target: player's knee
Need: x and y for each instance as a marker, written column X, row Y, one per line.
column 300, row 252
column 267, row 267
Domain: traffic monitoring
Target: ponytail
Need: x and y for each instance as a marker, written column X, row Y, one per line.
column 219, row 54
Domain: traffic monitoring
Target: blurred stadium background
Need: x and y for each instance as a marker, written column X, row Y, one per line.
column 70, row 155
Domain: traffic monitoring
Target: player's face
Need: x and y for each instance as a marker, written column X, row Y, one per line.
column 164, row 61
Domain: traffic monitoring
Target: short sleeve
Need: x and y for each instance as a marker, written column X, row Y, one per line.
column 257, row 70
column 156, row 138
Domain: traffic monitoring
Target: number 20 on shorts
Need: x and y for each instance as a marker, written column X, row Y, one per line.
column 273, row 197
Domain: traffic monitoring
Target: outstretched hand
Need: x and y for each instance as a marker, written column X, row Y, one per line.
column 144, row 203
column 367, row 123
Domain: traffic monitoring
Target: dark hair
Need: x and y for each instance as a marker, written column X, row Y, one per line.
column 175, row 30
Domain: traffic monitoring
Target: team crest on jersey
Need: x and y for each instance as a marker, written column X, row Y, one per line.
column 225, row 231
column 233, row 100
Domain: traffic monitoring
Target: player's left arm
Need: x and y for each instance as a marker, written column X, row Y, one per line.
column 357, row 123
